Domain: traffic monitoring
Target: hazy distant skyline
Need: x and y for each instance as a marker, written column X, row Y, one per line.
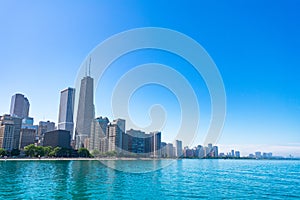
column 254, row 44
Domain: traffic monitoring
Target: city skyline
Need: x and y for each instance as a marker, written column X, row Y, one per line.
column 106, row 136
column 257, row 60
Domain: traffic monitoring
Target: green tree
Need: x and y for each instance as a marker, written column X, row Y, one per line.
column 47, row 150
column 15, row 152
column 39, row 151
column 63, row 152
column 3, row 152
column 111, row 153
column 96, row 153
column 55, row 152
column 83, row 152
column 30, row 150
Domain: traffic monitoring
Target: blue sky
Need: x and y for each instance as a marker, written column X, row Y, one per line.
column 255, row 45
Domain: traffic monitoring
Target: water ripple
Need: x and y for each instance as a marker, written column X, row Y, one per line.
column 183, row 179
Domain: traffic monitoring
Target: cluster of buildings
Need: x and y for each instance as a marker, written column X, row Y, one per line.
column 17, row 129
column 259, row 155
column 231, row 154
column 199, row 151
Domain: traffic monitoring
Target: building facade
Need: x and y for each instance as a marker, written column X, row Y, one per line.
column 66, row 110
column 155, row 144
column 27, row 136
column 178, row 148
column 19, row 106
column 98, row 137
column 135, row 141
column 215, row 152
column 115, row 132
column 10, row 132
column 85, row 112
column 44, row 126
column 57, row 138
column 29, row 132
column 169, row 150
column 114, row 137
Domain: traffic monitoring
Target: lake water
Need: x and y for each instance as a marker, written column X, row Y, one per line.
column 182, row 179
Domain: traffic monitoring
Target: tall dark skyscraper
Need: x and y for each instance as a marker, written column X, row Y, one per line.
column 19, row 106
column 85, row 112
column 66, row 110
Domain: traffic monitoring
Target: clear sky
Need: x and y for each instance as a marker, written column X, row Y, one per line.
column 255, row 44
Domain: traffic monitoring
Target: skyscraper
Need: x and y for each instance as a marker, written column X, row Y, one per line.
column 178, row 146
column 66, row 110
column 155, row 144
column 232, row 153
column 169, row 150
column 85, row 112
column 215, row 152
column 19, row 106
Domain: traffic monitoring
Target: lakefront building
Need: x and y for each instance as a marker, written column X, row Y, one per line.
column 57, row 138
column 115, row 132
column 9, row 132
column 135, row 141
column 178, row 148
column 155, row 144
column 66, row 110
column 98, row 140
column 170, row 150
column 28, row 134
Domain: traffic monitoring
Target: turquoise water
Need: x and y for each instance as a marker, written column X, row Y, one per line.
column 183, row 179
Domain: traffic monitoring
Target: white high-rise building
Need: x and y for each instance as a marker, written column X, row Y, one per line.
column 169, row 150
column 178, row 148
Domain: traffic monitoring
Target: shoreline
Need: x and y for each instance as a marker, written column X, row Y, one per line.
column 126, row 159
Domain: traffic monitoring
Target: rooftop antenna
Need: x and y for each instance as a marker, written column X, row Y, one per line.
column 90, row 66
